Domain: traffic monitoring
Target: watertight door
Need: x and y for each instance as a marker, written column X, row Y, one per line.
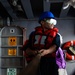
column 11, row 57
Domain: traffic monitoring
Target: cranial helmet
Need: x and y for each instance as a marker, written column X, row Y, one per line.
column 45, row 15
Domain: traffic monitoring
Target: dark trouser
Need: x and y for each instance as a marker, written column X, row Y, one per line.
column 47, row 67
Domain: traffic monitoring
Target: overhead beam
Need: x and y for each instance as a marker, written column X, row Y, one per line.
column 27, row 8
column 8, row 8
column 46, row 5
column 64, row 12
column 53, row 1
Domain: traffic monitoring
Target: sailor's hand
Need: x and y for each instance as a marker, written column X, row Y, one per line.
column 43, row 52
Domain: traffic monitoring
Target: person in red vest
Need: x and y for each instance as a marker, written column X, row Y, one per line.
column 46, row 41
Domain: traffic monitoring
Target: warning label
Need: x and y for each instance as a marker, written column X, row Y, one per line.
column 11, row 71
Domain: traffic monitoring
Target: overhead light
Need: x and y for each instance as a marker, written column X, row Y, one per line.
column 65, row 7
column 16, row 5
column 14, row 2
column 69, row 3
column 19, row 7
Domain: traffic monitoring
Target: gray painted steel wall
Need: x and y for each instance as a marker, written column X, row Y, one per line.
column 66, row 29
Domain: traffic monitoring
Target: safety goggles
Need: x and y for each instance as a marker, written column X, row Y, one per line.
column 51, row 21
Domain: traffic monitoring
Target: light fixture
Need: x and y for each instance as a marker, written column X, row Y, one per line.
column 14, row 3
column 19, row 8
column 69, row 3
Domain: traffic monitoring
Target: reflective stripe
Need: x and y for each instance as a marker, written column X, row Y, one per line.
column 72, row 57
column 61, row 39
column 71, row 43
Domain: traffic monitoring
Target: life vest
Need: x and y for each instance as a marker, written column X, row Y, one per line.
column 43, row 39
column 66, row 46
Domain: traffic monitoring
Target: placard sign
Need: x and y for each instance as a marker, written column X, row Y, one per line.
column 11, row 71
column 12, row 41
column 12, row 52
